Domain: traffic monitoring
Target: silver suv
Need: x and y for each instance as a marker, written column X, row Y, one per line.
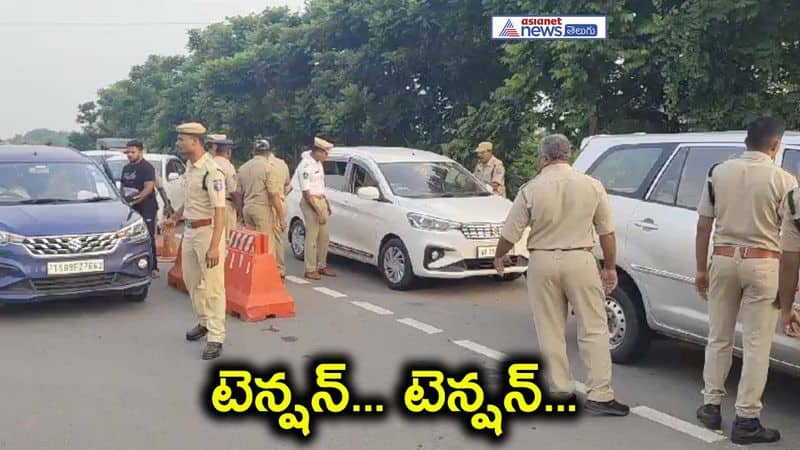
column 655, row 182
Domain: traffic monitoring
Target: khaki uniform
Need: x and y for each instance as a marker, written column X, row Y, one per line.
column 749, row 192
column 562, row 206
column 230, row 187
column 280, row 175
column 492, row 173
column 312, row 179
column 255, row 183
column 206, row 286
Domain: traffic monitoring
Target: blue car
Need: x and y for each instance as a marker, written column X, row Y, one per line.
column 65, row 232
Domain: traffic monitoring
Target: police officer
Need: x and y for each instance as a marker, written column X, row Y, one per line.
column 746, row 196
column 280, row 173
column 203, row 240
column 316, row 210
column 222, row 149
column 489, row 169
column 563, row 206
column 790, row 264
column 259, row 189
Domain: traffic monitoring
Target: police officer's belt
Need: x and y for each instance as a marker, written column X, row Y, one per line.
column 745, row 252
column 198, row 223
column 581, row 249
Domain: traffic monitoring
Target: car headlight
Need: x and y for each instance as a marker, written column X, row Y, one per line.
column 137, row 231
column 10, row 238
column 423, row 222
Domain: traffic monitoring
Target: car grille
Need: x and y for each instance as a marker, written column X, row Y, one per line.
column 479, row 231
column 86, row 244
column 73, row 282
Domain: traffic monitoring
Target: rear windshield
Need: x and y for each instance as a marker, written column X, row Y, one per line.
column 42, row 182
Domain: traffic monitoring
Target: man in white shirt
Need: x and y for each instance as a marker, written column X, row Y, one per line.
column 316, row 210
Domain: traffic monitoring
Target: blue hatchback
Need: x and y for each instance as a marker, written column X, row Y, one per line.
column 64, row 230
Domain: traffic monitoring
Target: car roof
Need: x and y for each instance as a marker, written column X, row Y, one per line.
column 39, row 153
column 102, row 152
column 789, row 137
column 388, row 154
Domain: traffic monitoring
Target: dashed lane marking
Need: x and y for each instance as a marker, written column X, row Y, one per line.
column 296, row 280
column 422, row 326
column 481, row 349
column 373, row 308
column 330, row 292
column 677, row 424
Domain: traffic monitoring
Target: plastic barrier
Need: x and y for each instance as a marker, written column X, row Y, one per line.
column 253, row 284
column 175, row 275
column 166, row 243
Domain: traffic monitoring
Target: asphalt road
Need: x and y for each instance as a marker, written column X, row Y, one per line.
column 106, row 374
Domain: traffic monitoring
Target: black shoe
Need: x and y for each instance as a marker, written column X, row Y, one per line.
column 213, row 350
column 196, row 333
column 750, row 431
column 612, row 408
column 710, row 416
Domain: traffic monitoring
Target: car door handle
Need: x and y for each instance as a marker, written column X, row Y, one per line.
column 646, row 225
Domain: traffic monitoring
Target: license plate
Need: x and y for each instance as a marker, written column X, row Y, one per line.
column 486, row 252
column 75, row 267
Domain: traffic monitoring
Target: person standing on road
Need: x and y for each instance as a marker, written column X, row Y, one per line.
column 222, row 149
column 744, row 197
column 562, row 207
column 316, row 210
column 138, row 188
column 203, row 244
column 790, row 264
column 280, row 172
column 489, row 169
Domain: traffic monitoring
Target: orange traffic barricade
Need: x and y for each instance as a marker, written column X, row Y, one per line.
column 253, row 284
column 175, row 275
column 166, row 243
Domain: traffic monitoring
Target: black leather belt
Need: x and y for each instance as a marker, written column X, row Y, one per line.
column 581, row 249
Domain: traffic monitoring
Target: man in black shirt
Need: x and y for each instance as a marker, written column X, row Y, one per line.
column 138, row 188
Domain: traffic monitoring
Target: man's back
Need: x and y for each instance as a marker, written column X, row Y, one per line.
column 253, row 179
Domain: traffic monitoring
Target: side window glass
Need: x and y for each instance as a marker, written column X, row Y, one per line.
column 628, row 171
column 791, row 161
column 335, row 175
column 362, row 178
column 695, row 172
column 666, row 191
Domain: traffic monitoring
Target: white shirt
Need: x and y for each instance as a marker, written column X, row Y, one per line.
column 311, row 176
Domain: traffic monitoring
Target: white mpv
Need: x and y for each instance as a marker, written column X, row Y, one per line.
column 411, row 213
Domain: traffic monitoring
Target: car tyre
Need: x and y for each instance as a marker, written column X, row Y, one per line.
column 629, row 335
column 395, row 265
column 138, row 296
column 297, row 239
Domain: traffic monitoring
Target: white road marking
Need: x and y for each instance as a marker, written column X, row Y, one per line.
column 483, row 350
column 373, row 308
column 296, row 280
column 329, row 292
column 422, row 326
column 677, row 424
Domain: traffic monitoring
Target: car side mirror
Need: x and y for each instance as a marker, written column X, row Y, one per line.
column 369, row 193
column 173, row 176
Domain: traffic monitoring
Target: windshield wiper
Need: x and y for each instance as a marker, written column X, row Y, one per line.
column 44, row 201
column 99, row 199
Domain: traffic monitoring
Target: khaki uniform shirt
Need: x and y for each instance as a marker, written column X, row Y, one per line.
column 492, row 173
column 281, row 172
column 257, row 180
column 563, row 207
column 230, row 174
column 750, row 193
column 790, row 235
column 200, row 204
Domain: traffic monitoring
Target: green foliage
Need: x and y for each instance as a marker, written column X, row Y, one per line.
column 42, row 136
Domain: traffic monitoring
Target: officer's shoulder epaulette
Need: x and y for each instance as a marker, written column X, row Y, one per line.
column 205, row 176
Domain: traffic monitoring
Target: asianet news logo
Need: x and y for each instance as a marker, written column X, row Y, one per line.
column 516, row 28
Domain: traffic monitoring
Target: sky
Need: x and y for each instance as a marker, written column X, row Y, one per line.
column 56, row 54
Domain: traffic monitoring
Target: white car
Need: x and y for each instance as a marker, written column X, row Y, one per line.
column 169, row 167
column 411, row 213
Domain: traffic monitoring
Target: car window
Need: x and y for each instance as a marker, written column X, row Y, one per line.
column 695, row 171
column 628, row 171
column 45, row 182
column 174, row 166
column 431, row 179
column 666, row 191
column 362, row 178
column 335, row 175
column 791, row 161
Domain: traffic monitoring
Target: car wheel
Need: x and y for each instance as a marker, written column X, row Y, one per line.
column 137, row 296
column 395, row 265
column 507, row 277
column 297, row 239
column 628, row 333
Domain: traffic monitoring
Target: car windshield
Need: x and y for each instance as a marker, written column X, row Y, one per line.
column 58, row 182
column 431, row 179
column 116, row 166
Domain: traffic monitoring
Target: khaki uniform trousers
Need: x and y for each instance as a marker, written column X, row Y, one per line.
column 317, row 237
column 277, row 242
column 206, row 286
column 748, row 286
column 258, row 218
column 231, row 223
column 556, row 279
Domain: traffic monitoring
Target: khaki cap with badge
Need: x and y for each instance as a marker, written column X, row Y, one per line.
column 484, row 146
column 191, row 128
column 322, row 144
